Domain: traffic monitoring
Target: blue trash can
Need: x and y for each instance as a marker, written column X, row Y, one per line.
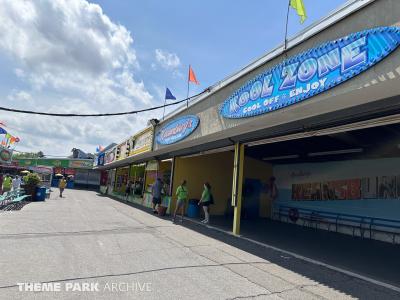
column 40, row 193
column 70, row 184
column 54, row 182
column 193, row 208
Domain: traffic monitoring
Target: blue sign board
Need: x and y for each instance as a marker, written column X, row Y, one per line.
column 177, row 130
column 311, row 72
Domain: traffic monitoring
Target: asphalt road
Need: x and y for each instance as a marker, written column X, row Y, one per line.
column 116, row 251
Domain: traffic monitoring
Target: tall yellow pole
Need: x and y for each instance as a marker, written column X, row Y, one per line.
column 237, row 186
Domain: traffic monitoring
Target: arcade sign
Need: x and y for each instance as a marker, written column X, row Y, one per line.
column 177, row 130
column 311, row 72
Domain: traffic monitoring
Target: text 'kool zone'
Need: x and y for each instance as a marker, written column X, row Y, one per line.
column 300, row 73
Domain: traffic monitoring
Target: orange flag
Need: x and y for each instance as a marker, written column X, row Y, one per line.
column 192, row 77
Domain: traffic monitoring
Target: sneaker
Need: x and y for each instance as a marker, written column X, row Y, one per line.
column 155, row 212
column 173, row 220
column 203, row 221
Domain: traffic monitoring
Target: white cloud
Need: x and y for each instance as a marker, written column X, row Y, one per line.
column 167, row 60
column 63, row 35
column 19, row 73
column 21, row 96
column 74, row 59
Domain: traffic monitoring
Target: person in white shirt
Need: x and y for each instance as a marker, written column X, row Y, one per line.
column 16, row 183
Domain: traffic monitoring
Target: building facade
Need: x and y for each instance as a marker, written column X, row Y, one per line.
column 307, row 134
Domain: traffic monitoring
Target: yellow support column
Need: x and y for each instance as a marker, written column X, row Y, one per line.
column 237, row 186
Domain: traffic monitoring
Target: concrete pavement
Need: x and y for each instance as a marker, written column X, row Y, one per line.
column 366, row 257
column 116, row 251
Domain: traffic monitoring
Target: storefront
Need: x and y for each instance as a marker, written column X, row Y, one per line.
column 122, row 167
column 320, row 116
column 121, row 179
column 153, row 170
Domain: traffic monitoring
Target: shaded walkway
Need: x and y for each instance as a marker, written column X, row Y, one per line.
column 370, row 258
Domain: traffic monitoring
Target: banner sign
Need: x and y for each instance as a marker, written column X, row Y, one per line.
column 311, row 72
column 142, row 143
column 110, row 156
column 85, row 164
column 60, row 163
column 63, row 163
column 58, row 170
column 41, row 169
column 69, row 171
column 177, row 130
column 5, row 155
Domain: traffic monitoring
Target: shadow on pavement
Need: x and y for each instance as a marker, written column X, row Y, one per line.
column 373, row 259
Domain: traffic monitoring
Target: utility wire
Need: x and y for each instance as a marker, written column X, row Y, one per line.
column 98, row 115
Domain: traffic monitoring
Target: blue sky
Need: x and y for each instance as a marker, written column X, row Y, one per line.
column 103, row 56
column 216, row 37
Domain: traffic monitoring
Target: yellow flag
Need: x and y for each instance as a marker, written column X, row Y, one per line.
column 298, row 6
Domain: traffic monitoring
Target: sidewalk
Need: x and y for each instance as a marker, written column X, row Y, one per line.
column 85, row 239
column 371, row 258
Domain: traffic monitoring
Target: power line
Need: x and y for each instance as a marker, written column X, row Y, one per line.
column 98, row 115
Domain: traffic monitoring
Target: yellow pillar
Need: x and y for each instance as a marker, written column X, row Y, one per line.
column 237, row 186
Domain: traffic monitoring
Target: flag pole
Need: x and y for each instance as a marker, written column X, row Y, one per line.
column 165, row 102
column 187, row 95
column 286, row 27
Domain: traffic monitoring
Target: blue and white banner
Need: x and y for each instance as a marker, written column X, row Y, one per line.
column 312, row 72
column 177, row 130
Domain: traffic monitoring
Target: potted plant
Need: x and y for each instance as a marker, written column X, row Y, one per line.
column 31, row 180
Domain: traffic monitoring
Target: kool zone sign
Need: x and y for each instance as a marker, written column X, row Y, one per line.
column 177, row 130
column 312, row 72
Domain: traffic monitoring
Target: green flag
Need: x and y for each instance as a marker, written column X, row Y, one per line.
column 298, row 6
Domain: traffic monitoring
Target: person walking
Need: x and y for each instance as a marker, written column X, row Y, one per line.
column 7, row 183
column 156, row 193
column 206, row 200
column 128, row 189
column 16, row 183
column 61, row 185
column 272, row 190
column 181, row 193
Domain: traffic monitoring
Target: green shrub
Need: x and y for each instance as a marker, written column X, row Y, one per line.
column 32, row 179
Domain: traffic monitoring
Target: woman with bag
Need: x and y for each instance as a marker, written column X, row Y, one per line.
column 206, row 200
